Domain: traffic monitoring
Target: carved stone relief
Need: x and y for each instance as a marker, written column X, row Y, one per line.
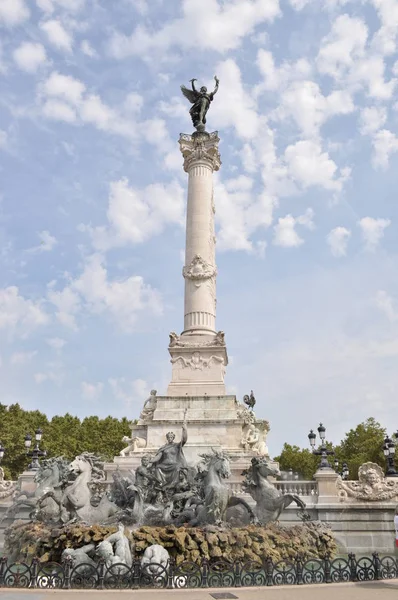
column 199, row 269
column 177, row 341
column 7, row 488
column 197, row 362
column 371, row 486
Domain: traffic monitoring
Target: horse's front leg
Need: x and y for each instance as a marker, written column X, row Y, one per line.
column 236, row 501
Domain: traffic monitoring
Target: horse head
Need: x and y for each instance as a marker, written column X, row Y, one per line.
column 219, row 464
column 263, row 468
column 80, row 465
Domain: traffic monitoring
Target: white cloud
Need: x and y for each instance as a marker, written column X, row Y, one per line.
column 68, row 304
column 341, row 48
column 276, row 78
column 20, row 315
column 29, row 56
column 13, row 12
column 135, row 215
column 207, row 24
column 49, row 6
column 134, row 103
column 57, row 35
column 64, row 87
column 309, row 166
column 373, row 231
column 234, row 106
column 53, row 376
column 91, row 391
column 385, row 143
column 124, row 298
column 47, row 242
column 64, row 98
column 87, row 49
column 240, row 212
column 304, row 102
column 285, row 233
column 59, row 111
column 56, row 343
column 22, row 358
column 338, row 241
column 386, row 304
column 372, row 119
column 343, row 55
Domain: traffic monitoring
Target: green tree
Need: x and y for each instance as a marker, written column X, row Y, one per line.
column 362, row 444
column 62, row 436
column 300, row 460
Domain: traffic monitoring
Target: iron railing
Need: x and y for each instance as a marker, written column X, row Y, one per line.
column 220, row 573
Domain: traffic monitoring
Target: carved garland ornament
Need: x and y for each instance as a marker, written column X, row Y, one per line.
column 197, row 362
column 199, row 269
column 371, row 486
column 179, row 342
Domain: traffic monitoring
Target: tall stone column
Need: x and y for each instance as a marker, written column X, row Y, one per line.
column 199, row 355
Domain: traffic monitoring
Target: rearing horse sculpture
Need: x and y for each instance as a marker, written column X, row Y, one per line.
column 217, row 496
column 48, row 478
column 77, row 500
column 269, row 501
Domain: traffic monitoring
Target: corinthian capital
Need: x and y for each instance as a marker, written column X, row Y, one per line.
column 200, row 147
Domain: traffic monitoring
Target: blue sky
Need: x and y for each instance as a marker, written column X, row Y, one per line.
column 92, row 201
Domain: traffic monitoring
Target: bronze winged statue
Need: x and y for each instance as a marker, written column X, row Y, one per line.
column 200, row 100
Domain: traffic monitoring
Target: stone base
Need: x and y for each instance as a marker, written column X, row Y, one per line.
column 197, row 370
column 213, row 422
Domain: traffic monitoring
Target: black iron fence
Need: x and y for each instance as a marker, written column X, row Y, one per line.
column 220, row 573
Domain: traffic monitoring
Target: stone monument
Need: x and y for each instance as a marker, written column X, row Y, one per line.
column 198, row 355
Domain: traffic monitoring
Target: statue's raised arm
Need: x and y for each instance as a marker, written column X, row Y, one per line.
column 217, row 84
column 200, row 100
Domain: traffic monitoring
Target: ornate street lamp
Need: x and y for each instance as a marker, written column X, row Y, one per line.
column 344, row 473
column 2, row 450
column 389, row 453
column 36, row 452
column 322, row 451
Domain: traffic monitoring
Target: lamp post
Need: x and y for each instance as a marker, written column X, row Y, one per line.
column 389, row 453
column 36, row 452
column 2, row 450
column 344, row 473
column 322, row 451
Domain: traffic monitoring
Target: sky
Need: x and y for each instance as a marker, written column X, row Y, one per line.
column 93, row 196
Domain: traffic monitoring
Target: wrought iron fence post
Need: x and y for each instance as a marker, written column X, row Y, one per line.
column 33, row 572
column 67, row 566
column 101, row 574
column 353, row 567
column 269, row 570
column 205, row 574
column 327, row 570
column 299, row 571
column 376, row 562
column 237, row 573
column 136, row 573
column 170, row 573
column 3, row 568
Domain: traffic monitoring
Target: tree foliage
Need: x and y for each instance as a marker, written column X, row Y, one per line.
column 300, row 460
column 360, row 445
column 62, row 436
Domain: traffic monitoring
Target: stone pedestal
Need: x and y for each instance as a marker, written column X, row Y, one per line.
column 327, row 489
